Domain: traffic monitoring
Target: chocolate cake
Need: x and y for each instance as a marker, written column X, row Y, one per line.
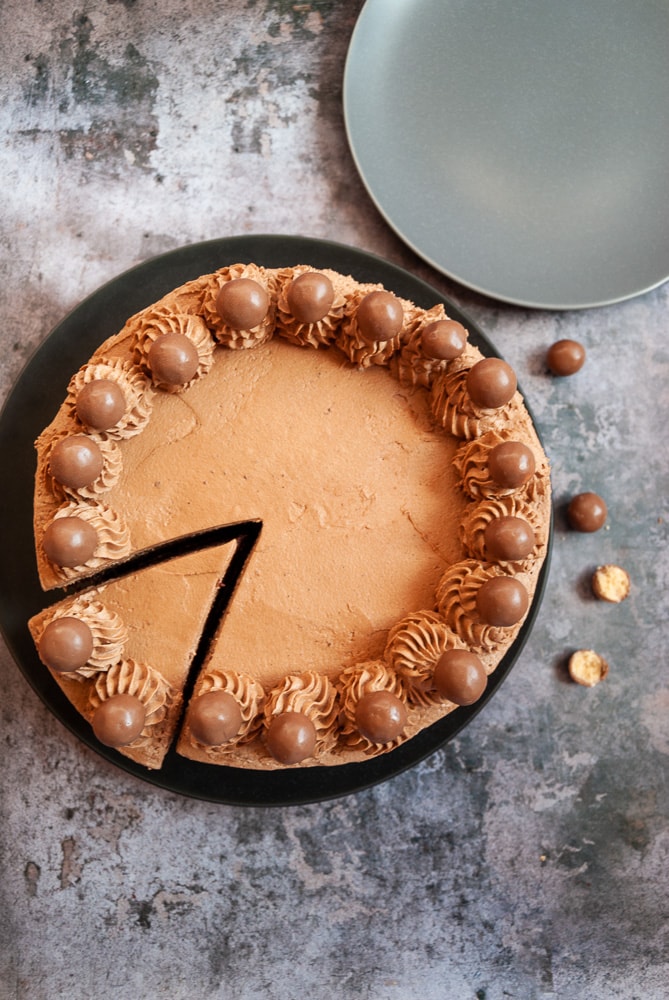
column 297, row 518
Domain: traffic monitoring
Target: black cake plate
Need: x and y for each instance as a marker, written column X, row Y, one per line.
column 33, row 403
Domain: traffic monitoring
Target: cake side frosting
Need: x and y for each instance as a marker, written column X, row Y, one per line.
column 352, row 436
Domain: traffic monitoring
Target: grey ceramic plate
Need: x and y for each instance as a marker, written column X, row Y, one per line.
column 520, row 147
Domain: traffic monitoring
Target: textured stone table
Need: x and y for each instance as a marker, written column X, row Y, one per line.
column 529, row 857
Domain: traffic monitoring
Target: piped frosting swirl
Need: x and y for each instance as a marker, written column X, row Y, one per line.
column 112, row 466
column 133, row 383
column 455, row 410
column 142, row 682
column 113, row 538
column 413, row 648
column 457, row 594
column 109, row 633
column 355, row 682
column 230, row 335
column 320, row 332
column 153, row 324
column 310, row 694
column 478, row 521
column 249, row 695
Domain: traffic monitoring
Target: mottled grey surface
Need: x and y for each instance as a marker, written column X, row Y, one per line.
column 527, row 859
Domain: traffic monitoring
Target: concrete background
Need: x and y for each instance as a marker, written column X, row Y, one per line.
column 529, row 858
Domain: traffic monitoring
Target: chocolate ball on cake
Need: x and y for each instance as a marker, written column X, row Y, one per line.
column 491, row 383
column 119, row 720
column 380, row 317
column 215, row 718
column 460, row 677
column 173, row 359
column 75, row 461
column 310, row 297
column 443, row 340
column 242, row 303
column 100, row 404
column 508, row 538
column 69, row 541
column 502, row 601
column 381, row 716
column 291, row 737
column 66, row 644
column 511, row 464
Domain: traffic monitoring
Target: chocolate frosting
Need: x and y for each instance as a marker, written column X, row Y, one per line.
column 173, row 359
column 381, row 716
column 491, row 383
column 75, row 461
column 66, row 644
column 119, row 720
column 215, row 718
column 401, row 684
column 291, row 737
column 242, row 303
column 310, row 296
column 502, row 601
column 100, row 404
column 379, row 317
column 460, row 677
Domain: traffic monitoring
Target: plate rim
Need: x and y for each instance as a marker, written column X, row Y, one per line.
column 281, row 787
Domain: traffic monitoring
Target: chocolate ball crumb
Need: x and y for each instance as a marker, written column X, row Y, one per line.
column 611, row 583
column 587, row 667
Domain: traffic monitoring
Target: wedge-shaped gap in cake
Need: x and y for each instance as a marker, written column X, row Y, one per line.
column 187, row 582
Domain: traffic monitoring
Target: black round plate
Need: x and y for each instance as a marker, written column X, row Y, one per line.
column 33, row 403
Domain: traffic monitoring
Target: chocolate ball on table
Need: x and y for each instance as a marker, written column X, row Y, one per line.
column 460, row 677
column 215, row 718
column 565, row 357
column 491, row 383
column 310, row 297
column 75, row 461
column 443, row 340
column 381, row 716
column 100, row 404
column 502, row 601
column 242, row 303
column 587, row 512
column 380, row 317
column 119, row 720
column 173, row 359
column 66, row 644
column 511, row 464
column 508, row 538
column 69, row 541
column 291, row 737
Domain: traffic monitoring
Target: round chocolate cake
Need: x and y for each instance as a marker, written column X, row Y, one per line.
column 298, row 519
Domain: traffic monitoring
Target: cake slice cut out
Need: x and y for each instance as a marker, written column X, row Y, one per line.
column 188, row 582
